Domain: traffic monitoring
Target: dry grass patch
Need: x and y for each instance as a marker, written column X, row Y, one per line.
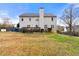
column 30, row 44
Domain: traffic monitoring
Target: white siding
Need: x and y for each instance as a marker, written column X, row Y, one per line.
column 26, row 22
column 47, row 21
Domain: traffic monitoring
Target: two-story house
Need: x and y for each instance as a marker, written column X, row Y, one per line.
column 43, row 21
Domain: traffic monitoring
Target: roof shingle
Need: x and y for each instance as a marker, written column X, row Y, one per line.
column 35, row 15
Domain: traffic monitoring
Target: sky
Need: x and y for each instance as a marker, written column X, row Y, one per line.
column 13, row 10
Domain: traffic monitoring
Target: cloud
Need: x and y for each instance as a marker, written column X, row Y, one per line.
column 4, row 13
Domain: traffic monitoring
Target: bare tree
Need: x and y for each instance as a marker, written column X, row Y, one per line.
column 6, row 22
column 69, row 16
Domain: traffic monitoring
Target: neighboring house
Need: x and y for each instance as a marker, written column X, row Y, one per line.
column 43, row 21
column 60, row 28
column 75, row 28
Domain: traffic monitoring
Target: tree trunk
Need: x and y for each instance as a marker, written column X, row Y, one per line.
column 70, row 25
column 70, row 28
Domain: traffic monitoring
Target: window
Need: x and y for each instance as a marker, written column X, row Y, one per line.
column 52, row 19
column 52, row 26
column 29, row 19
column 28, row 26
column 22, row 19
column 37, row 19
column 36, row 26
column 45, row 26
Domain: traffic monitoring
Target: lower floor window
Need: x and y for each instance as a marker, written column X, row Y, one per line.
column 28, row 26
column 52, row 26
column 45, row 26
column 36, row 26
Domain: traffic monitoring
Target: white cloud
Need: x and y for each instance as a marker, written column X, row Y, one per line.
column 1, row 21
column 4, row 13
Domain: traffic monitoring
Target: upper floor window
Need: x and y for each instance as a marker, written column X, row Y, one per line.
column 37, row 19
column 22, row 19
column 52, row 19
column 29, row 19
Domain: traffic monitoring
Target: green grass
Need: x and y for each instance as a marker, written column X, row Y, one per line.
column 71, row 41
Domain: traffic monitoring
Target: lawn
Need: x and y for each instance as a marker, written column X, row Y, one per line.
column 38, row 44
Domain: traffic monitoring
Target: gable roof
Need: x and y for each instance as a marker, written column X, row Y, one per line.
column 36, row 15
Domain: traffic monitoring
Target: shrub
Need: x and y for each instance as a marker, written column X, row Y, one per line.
column 59, row 32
